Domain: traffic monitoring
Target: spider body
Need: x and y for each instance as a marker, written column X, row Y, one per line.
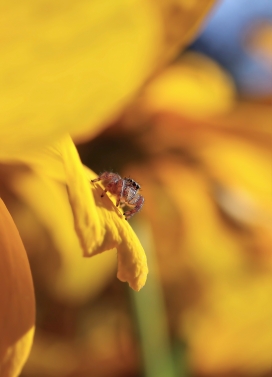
column 125, row 190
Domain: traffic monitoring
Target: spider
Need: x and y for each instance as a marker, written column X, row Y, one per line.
column 125, row 189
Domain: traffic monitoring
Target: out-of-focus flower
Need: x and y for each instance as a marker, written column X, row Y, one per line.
column 72, row 67
column 214, row 181
column 205, row 163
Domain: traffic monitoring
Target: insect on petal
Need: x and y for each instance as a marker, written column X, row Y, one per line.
column 99, row 224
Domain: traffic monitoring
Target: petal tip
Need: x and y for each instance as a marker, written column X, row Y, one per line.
column 136, row 283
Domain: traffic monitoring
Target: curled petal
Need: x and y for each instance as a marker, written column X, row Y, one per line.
column 69, row 205
column 37, row 199
column 132, row 264
column 99, row 224
column 16, row 299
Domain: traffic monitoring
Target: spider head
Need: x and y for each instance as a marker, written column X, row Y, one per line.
column 132, row 183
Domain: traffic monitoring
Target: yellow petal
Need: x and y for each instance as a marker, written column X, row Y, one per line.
column 243, row 169
column 189, row 191
column 194, row 87
column 73, row 67
column 16, row 299
column 70, row 66
column 41, row 210
column 258, row 41
column 37, row 197
column 71, row 208
column 237, row 323
column 182, row 19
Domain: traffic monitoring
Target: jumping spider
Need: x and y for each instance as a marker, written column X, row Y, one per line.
column 125, row 189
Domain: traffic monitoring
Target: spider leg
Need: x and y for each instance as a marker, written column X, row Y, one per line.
column 120, row 185
column 99, row 179
column 137, row 202
column 103, row 193
column 96, row 179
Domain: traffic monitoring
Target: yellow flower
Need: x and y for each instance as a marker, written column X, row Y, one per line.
column 73, row 67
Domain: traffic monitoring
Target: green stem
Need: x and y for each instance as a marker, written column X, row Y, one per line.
column 150, row 311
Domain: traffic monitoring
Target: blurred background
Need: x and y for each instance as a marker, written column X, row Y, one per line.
column 198, row 140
